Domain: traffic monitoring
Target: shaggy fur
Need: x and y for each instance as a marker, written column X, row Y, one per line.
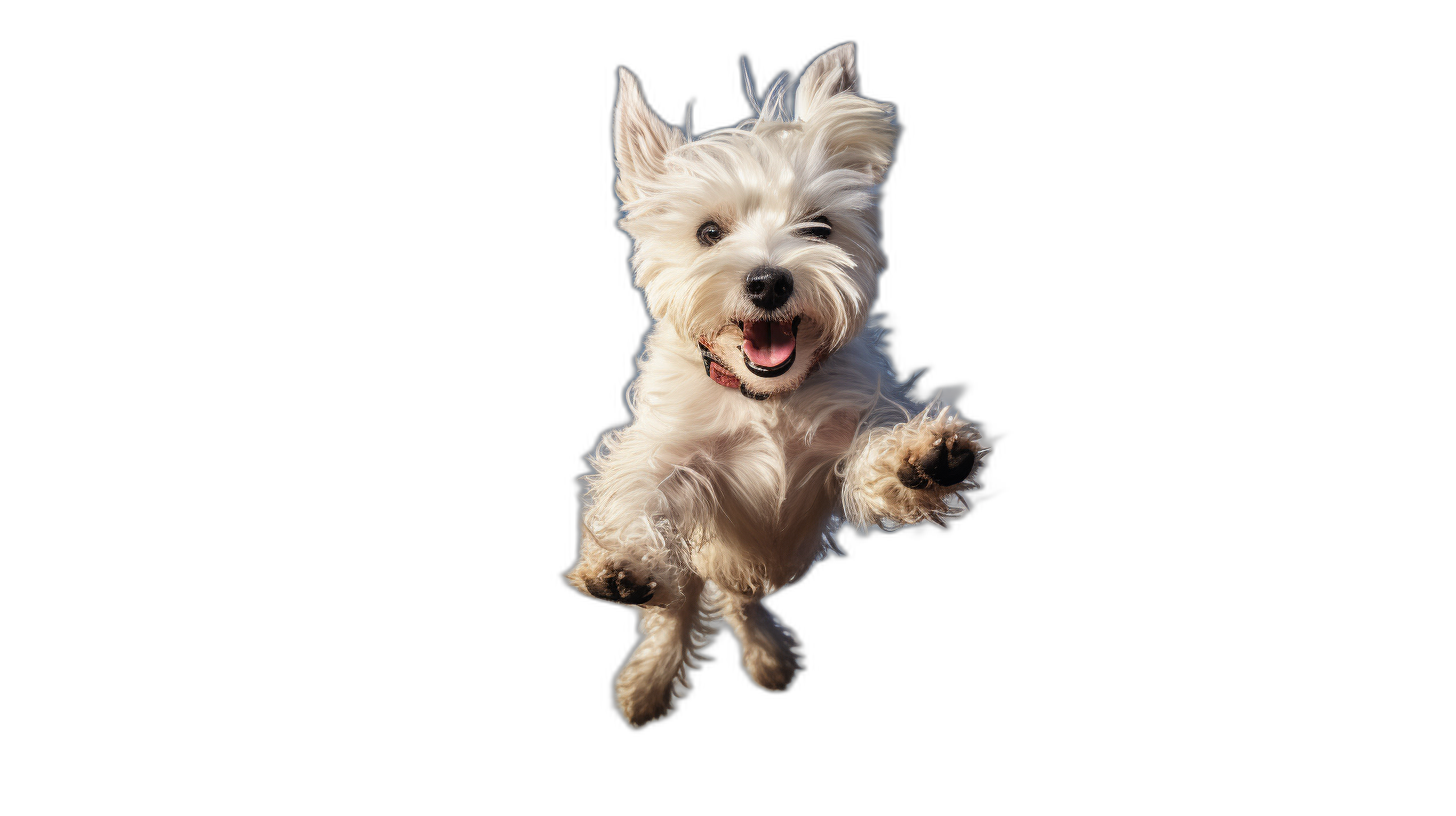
column 732, row 478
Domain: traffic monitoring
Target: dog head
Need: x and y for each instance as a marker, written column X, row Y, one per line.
column 759, row 243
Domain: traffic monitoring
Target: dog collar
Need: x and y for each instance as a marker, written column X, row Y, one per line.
column 719, row 373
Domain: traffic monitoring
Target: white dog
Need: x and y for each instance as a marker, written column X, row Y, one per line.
column 765, row 411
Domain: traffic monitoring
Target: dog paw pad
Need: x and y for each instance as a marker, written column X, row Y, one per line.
column 948, row 460
column 621, row 586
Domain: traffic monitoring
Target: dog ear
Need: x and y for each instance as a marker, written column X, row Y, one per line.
column 859, row 132
column 831, row 73
column 642, row 139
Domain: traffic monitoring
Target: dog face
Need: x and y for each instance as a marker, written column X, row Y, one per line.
column 759, row 243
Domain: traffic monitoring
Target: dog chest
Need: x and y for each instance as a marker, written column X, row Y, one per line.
column 773, row 491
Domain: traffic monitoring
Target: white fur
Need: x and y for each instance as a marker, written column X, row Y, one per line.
column 713, row 498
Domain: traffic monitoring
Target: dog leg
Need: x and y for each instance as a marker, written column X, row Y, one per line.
column 906, row 473
column 768, row 647
column 641, row 495
column 642, row 575
column 657, row 670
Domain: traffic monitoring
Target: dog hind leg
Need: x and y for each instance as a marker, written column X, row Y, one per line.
column 768, row 647
column 657, row 670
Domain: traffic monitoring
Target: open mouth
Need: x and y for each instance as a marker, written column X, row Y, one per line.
column 768, row 345
column 768, row 348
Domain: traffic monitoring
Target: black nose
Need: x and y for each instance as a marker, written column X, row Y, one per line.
column 769, row 287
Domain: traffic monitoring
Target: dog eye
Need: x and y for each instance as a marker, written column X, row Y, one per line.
column 820, row 233
column 709, row 234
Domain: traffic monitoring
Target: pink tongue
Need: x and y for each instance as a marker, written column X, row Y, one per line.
column 768, row 344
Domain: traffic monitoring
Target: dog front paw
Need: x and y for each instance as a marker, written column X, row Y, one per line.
column 618, row 582
column 950, row 459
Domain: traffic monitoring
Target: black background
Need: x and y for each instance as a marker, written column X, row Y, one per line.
column 500, row 344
